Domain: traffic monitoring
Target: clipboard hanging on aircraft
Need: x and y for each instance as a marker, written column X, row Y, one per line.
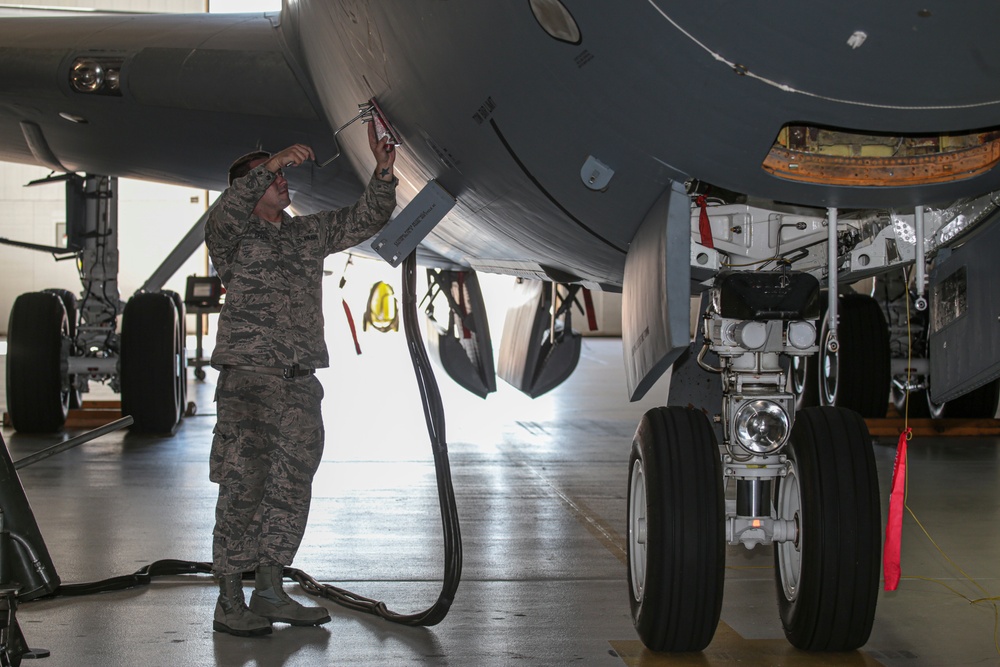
column 404, row 232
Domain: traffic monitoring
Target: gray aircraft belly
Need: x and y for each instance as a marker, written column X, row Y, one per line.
column 554, row 150
column 505, row 117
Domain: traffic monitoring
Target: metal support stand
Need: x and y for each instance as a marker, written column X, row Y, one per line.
column 198, row 361
column 13, row 647
column 26, row 570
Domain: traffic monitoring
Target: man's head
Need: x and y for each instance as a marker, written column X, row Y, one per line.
column 244, row 164
column 275, row 199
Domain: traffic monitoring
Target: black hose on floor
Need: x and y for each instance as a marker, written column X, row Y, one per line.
column 434, row 417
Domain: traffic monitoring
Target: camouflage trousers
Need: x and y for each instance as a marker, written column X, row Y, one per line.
column 267, row 447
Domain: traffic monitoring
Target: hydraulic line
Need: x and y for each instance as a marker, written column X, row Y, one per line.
column 434, row 417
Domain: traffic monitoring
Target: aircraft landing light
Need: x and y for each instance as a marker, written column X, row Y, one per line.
column 728, row 648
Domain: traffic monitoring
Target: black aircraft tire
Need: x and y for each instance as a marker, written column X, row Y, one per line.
column 69, row 302
column 803, row 375
column 36, row 398
column 862, row 367
column 182, row 378
column 828, row 577
column 149, row 370
column 676, row 539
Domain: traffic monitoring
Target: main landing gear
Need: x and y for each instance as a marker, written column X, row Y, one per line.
column 58, row 344
column 803, row 482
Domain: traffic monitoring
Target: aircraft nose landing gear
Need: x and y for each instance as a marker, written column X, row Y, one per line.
column 803, row 482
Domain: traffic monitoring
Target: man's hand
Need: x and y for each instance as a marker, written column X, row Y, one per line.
column 384, row 152
column 292, row 156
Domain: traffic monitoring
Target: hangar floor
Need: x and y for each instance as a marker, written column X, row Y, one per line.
column 541, row 493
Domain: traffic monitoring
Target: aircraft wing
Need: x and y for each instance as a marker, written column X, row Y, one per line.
column 170, row 98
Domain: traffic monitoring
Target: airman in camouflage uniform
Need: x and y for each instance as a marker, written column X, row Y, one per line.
column 269, row 435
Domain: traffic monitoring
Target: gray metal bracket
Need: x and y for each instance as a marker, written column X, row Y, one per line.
column 405, row 232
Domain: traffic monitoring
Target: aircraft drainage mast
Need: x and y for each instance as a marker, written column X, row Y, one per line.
column 752, row 319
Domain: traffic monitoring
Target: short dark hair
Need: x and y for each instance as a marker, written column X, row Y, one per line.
column 241, row 167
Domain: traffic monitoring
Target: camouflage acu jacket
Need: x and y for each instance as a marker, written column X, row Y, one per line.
column 273, row 314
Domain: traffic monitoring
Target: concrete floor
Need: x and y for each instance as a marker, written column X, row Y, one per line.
column 541, row 493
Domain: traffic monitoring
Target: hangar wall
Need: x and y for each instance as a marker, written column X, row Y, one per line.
column 152, row 217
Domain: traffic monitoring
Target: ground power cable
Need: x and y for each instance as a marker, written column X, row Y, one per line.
column 434, row 418
column 433, row 408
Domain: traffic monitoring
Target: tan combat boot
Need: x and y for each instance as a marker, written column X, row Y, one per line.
column 270, row 600
column 231, row 612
